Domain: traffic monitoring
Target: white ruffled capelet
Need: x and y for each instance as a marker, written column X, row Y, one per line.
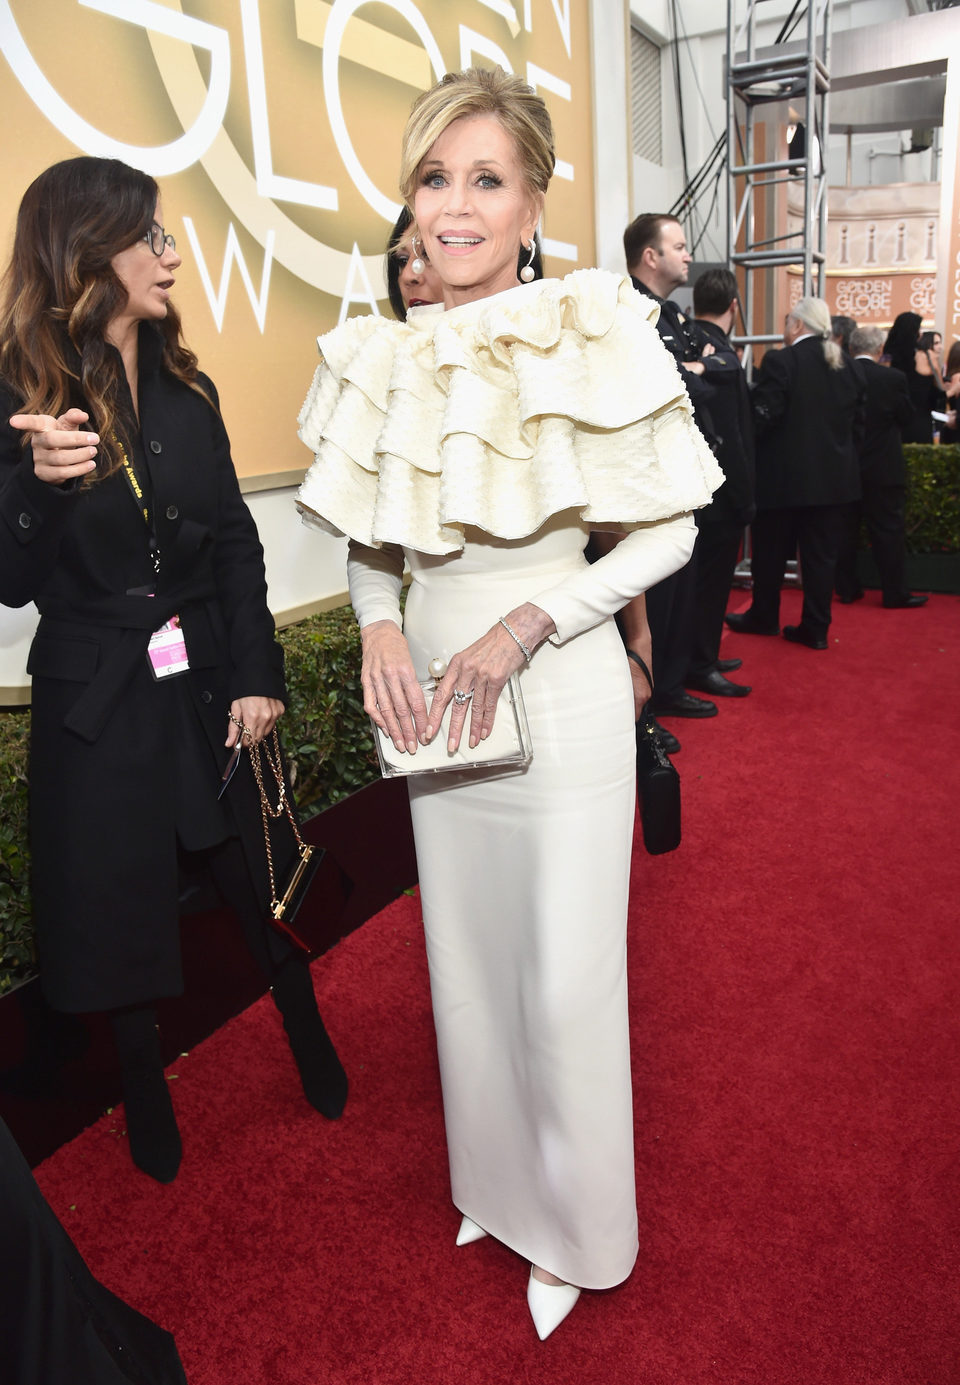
column 552, row 396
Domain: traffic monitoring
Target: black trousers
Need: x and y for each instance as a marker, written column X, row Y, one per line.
column 814, row 531
column 718, row 546
column 228, row 869
column 884, row 509
column 671, row 607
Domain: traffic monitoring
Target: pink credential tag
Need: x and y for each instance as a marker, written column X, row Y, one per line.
column 167, row 651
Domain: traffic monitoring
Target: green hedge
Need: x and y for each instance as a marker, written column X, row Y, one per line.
column 933, row 499
column 16, row 927
column 326, row 735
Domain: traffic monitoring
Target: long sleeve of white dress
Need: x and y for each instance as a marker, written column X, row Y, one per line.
column 640, row 560
column 577, row 603
column 375, row 581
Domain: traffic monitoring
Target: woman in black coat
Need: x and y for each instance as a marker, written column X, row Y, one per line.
column 155, row 649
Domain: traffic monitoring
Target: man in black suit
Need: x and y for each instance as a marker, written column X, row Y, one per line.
column 721, row 523
column 807, row 406
column 658, row 261
column 883, row 474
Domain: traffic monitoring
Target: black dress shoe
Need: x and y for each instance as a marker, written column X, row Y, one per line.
column 681, row 704
column 667, row 739
column 729, row 665
column 716, row 685
column 744, row 624
column 797, row 635
column 906, row 603
column 848, row 598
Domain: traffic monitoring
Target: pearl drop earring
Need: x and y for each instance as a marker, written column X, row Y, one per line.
column 528, row 273
column 417, row 265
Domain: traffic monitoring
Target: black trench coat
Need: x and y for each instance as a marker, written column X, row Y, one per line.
column 120, row 764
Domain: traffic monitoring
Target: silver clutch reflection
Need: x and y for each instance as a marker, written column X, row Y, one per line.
column 506, row 749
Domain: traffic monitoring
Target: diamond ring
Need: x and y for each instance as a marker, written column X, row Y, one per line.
column 461, row 698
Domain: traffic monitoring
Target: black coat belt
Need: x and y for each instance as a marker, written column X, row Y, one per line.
column 138, row 617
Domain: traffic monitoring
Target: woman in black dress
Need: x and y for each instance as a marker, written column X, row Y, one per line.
column 155, row 650
column 903, row 350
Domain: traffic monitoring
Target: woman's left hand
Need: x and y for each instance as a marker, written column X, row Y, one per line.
column 482, row 669
column 258, row 715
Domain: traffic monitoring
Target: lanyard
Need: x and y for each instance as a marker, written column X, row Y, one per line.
column 133, row 480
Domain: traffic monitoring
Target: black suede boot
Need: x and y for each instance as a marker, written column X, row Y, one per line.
column 321, row 1072
column 151, row 1124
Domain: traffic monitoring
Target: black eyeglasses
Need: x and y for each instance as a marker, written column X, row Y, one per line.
column 158, row 240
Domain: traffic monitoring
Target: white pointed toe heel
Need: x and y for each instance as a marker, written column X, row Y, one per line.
column 469, row 1231
column 549, row 1304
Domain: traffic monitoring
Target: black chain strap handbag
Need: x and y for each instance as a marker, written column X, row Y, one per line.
column 313, row 866
column 658, row 783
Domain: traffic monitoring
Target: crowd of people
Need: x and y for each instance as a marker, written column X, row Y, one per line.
column 813, row 447
column 578, row 453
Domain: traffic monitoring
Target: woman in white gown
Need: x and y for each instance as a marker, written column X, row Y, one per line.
column 481, row 441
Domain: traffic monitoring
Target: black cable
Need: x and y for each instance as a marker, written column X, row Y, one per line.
column 713, row 194
column 798, row 19
column 693, row 73
column 710, row 209
column 694, row 205
column 703, row 171
column 701, row 176
column 679, row 91
column 786, row 23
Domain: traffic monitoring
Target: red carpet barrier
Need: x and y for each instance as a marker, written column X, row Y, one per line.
column 796, row 1030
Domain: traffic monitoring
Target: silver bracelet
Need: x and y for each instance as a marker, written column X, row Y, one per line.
column 527, row 653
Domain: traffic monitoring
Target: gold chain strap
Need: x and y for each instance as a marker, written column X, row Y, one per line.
column 267, row 810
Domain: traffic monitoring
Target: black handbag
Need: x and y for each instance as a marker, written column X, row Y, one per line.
column 658, row 783
column 313, row 870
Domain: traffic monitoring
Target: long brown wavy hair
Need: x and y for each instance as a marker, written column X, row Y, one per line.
column 59, row 295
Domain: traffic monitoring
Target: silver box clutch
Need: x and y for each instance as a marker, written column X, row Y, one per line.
column 506, row 749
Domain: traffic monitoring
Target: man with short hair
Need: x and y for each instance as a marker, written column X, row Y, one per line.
column 721, row 523
column 883, row 475
column 658, row 262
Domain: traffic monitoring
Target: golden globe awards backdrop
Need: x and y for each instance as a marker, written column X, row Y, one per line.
column 273, row 128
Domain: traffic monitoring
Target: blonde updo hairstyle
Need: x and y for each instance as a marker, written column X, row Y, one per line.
column 814, row 315
column 480, row 91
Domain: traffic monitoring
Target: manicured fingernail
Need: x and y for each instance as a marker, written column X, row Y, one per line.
column 411, row 745
column 451, row 746
column 428, row 734
column 93, row 437
column 484, row 734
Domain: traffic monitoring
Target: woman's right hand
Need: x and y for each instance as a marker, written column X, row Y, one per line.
column 60, row 451
column 392, row 695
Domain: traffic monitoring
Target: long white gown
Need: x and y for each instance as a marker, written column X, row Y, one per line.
column 524, row 877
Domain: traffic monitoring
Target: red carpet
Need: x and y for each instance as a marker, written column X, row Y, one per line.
column 796, row 1043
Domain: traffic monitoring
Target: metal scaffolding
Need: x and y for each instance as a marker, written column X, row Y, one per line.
column 799, row 73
